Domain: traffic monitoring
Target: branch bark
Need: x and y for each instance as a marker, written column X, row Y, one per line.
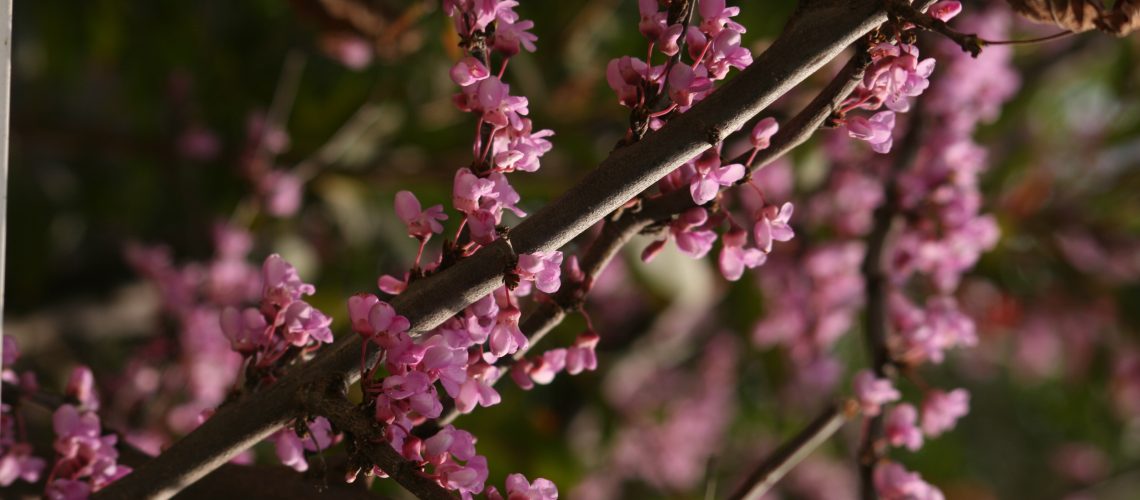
column 875, row 288
column 793, row 451
column 621, row 227
column 817, row 33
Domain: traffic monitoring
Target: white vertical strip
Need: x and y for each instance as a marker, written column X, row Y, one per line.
column 5, row 90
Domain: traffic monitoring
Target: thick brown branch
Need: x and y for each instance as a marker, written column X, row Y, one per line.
column 622, row 226
column 366, row 436
column 793, row 451
column 820, row 30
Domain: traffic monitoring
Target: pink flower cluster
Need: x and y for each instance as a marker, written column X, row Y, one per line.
column 713, row 46
column 200, row 362
column 291, row 448
column 16, row 458
column 896, row 74
column 87, row 461
column 505, row 140
column 453, row 355
column 284, row 326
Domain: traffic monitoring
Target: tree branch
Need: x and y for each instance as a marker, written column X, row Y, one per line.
column 875, row 288
column 817, row 33
column 366, row 436
column 793, row 451
column 621, row 227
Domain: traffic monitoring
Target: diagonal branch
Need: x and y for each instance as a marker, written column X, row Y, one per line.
column 793, row 451
column 621, row 227
column 875, row 289
column 817, row 33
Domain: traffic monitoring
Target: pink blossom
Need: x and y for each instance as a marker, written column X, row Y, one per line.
column 469, row 190
column 354, row 52
column 476, row 390
column 652, row 23
column 67, row 489
column 772, row 225
column 581, row 355
column 392, row 285
column 468, row 478
column 81, row 387
column 709, row 181
column 893, row 482
column 520, row 373
column 543, row 268
column 449, row 440
column 17, row 462
column 941, row 410
column 762, row 132
column 509, row 35
column 300, row 322
column 945, row 10
column 734, row 257
column 726, row 53
column 715, row 17
column 505, row 337
column 282, row 284
column 685, row 84
column 282, row 192
column 245, row 329
column 382, row 317
column 544, row 368
column 468, row 70
column 421, row 223
column 404, row 386
column 900, row 427
column 876, row 130
column 518, row 488
column 872, row 392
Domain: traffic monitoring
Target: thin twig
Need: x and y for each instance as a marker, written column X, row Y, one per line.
column 793, row 451
column 876, row 287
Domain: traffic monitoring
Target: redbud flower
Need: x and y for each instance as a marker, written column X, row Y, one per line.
column 518, row 488
column 246, row 330
column 715, row 17
column 941, row 410
column 893, row 482
column 773, row 226
column 543, row 268
column 945, row 10
column 421, row 223
column 876, row 130
column 708, row 182
column 282, row 192
column 900, row 427
column 544, row 368
column 734, row 258
column 873, row 392
column 468, row 70
column 762, row 133
column 581, row 355
column 81, row 387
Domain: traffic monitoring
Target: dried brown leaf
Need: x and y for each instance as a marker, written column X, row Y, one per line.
column 1123, row 19
column 1074, row 15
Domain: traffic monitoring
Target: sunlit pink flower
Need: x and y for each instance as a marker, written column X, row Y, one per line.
column 941, row 410
column 421, row 223
column 873, row 392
